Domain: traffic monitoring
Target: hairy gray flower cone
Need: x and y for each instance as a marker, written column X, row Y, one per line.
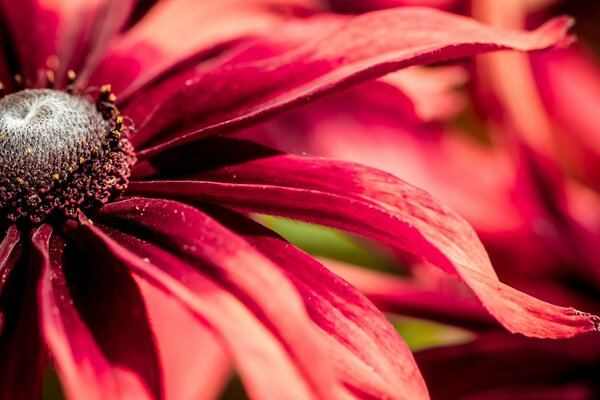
column 59, row 153
column 44, row 132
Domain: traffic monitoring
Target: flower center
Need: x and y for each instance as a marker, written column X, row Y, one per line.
column 60, row 153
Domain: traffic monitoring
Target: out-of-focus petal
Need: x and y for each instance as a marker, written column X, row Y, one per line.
column 22, row 354
column 507, row 366
column 59, row 34
column 348, row 52
column 560, row 76
column 94, row 322
column 430, row 90
column 375, row 204
column 195, row 366
column 170, row 32
column 416, row 298
column 362, row 6
column 229, row 286
column 370, row 357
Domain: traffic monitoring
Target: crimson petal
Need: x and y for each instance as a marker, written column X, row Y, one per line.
column 371, row 358
column 9, row 253
column 229, row 286
column 56, row 35
column 350, row 51
column 505, row 366
column 94, row 322
column 416, row 298
column 22, row 355
column 378, row 205
column 195, row 365
column 154, row 44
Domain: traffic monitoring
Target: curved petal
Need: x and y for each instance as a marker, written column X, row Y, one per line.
column 195, row 366
column 155, row 43
column 9, row 252
column 579, row 138
column 377, row 205
column 415, row 298
column 108, row 18
column 53, row 34
column 236, row 291
column 22, row 355
column 370, row 358
column 506, row 366
column 348, row 52
column 94, row 322
column 362, row 6
column 29, row 47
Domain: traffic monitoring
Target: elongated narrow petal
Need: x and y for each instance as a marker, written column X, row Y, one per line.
column 380, row 206
column 570, row 107
column 94, row 323
column 500, row 365
column 155, row 43
column 369, row 357
column 362, row 6
column 108, row 17
column 9, row 252
column 352, row 51
column 22, row 355
column 230, row 287
column 416, row 298
column 195, row 365
column 58, row 34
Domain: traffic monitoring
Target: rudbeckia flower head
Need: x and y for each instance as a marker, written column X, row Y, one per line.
column 125, row 192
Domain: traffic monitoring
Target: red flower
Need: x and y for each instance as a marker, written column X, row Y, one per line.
column 171, row 236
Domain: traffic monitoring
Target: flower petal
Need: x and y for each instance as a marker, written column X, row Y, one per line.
column 579, row 141
column 362, row 6
column 22, row 355
column 195, row 366
column 416, row 298
column 94, row 322
column 236, row 291
column 348, row 52
column 58, row 34
column 507, row 366
column 154, row 44
column 375, row 204
column 9, row 252
column 370, row 357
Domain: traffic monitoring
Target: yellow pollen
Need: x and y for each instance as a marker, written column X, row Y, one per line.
column 50, row 77
column 33, row 199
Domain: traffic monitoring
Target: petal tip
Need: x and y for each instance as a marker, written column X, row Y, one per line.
column 558, row 29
